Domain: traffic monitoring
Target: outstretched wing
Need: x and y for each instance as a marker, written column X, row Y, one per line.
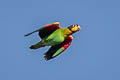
column 57, row 49
column 46, row 30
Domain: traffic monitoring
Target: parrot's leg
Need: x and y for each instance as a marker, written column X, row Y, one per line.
column 38, row 45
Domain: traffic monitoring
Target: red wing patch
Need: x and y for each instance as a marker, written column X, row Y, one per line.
column 67, row 42
column 52, row 27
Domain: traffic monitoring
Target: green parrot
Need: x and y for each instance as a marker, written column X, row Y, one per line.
column 58, row 38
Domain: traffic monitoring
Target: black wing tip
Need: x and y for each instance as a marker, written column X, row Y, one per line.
column 30, row 33
column 25, row 35
column 47, row 57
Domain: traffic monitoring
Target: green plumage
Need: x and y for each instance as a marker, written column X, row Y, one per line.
column 55, row 38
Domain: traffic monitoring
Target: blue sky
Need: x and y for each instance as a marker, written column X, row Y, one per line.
column 93, row 55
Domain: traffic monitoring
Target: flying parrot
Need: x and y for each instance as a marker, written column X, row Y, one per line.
column 58, row 38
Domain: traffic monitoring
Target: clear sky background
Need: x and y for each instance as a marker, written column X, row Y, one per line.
column 93, row 55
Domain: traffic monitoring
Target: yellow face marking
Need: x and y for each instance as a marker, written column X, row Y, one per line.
column 75, row 28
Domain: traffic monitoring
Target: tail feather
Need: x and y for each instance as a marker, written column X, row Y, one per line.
column 36, row 46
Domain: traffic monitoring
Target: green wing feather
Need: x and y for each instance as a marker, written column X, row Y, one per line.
column 58, row 49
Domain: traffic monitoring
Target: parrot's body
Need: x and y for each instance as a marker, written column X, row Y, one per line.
column 55, row 36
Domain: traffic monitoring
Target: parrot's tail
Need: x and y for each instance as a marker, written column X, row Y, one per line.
column 38, row 45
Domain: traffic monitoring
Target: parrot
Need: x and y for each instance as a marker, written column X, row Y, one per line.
column 59, row 39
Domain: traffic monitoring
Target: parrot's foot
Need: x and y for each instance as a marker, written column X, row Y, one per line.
column 36, row 47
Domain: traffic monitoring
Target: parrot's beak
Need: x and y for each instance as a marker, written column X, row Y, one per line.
column 79, row 28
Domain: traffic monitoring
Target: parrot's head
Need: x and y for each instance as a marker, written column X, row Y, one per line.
column 74, row 28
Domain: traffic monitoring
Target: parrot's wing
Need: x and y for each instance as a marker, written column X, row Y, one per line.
column 46, row 30
column 57, row 49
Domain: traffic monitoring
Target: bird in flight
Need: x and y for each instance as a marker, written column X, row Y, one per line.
column 53, row 35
